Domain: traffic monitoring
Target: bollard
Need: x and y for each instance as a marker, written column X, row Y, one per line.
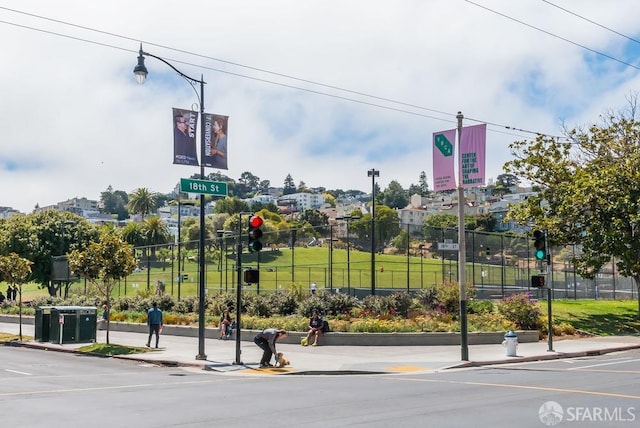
column 511, row 342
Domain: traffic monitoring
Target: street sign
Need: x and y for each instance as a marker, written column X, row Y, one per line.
column 448, row 246
column 205, row 187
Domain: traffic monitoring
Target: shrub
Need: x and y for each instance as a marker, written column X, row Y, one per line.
column 338, row 303
column 428, row 297
column 284, row 303
column 480, row 307
column 260, row 306
column 519, row 309
column 313, row 303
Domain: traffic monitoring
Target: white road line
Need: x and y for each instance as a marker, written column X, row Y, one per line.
column 622, row 360
column 17, row 372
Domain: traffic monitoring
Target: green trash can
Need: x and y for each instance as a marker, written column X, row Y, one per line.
column 73, row 324
column 42, row 323
column 87, row 324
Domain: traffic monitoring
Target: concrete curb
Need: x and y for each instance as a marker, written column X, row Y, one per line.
column 329, row 339
column 553, row 355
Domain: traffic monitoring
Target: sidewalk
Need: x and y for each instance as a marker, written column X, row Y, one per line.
column 221, row 354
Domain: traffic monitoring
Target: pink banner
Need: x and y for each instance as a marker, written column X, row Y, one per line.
column 444, row 160
column 472, row 155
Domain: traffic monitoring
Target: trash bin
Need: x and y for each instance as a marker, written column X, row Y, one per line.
column 73, row 324
column 511, row 342
column 41, row 326
column 87, row 323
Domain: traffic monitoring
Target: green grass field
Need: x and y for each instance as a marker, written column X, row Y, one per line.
column 602, row 317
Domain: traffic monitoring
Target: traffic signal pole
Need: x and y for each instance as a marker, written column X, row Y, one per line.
column 549, row 289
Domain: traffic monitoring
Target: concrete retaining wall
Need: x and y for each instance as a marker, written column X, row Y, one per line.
column 333, row 338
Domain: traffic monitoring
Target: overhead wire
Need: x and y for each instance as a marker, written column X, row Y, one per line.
column 554, row 35
column 592, row 22
column 311, row 82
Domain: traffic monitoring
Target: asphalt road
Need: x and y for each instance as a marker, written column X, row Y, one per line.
column 51, row 389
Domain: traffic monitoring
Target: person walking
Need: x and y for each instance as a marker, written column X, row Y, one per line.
column 154, row 320
column 266, row 340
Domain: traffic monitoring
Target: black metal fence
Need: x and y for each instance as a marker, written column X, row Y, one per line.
column 496, row 264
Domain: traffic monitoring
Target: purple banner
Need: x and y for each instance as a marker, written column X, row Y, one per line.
column 185, row 124
column 473, row 145
column 444, row 160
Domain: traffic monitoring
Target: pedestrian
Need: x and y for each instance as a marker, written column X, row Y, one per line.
column 14, row 293
column 104, row 319
column 266, row 340
column 9, row 292
column 154, row 320
column 2, row 298
column 225, row 325
column 315, row 329
column 314, row 287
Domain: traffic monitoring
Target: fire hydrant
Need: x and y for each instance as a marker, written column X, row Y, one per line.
column 511, row 342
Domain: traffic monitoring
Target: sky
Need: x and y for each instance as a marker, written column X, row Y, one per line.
column 321, row 90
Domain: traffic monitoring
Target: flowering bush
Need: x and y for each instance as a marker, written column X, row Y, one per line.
column 519, row 309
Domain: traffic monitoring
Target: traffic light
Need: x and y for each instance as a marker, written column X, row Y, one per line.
column 537, row 281
column 252, row 276
column 255, row 233
column 540, row 245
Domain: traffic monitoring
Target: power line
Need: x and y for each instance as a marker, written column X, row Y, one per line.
column 592, row 22
column 553, row 35
column 316, row 92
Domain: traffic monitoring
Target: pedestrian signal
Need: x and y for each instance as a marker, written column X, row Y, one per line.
column 537, row 281
column 252, row 276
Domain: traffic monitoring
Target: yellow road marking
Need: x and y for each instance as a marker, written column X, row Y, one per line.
column 535, row 388
column 406, row 368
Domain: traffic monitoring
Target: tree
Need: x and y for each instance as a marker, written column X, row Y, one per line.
column 289, row 185
column 155, row 232
column 589, row 192
column 263, row 186
column 142, row 202
column 15, row 270
column 230, row 206
column 395, row 196
column 103, row 264
column 115, row 202
column 315, row 218
column 39, row 236
column 508, row 180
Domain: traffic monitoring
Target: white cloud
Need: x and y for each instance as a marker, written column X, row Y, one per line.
column 75, row 121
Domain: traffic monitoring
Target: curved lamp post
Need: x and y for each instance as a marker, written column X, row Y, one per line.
column 141, row 72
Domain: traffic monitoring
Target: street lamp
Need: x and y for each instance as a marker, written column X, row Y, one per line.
column 348, row 218
column 373, row 173
column 141, row 72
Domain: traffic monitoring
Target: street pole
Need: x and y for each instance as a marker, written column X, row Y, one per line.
column 408, row 258
column 331, row 258
column 141, row 72
column 373, row 173
column 179, row 253
column 462, row 279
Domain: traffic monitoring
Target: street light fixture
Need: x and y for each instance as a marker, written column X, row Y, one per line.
column 373, row 173
column 141, row 72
